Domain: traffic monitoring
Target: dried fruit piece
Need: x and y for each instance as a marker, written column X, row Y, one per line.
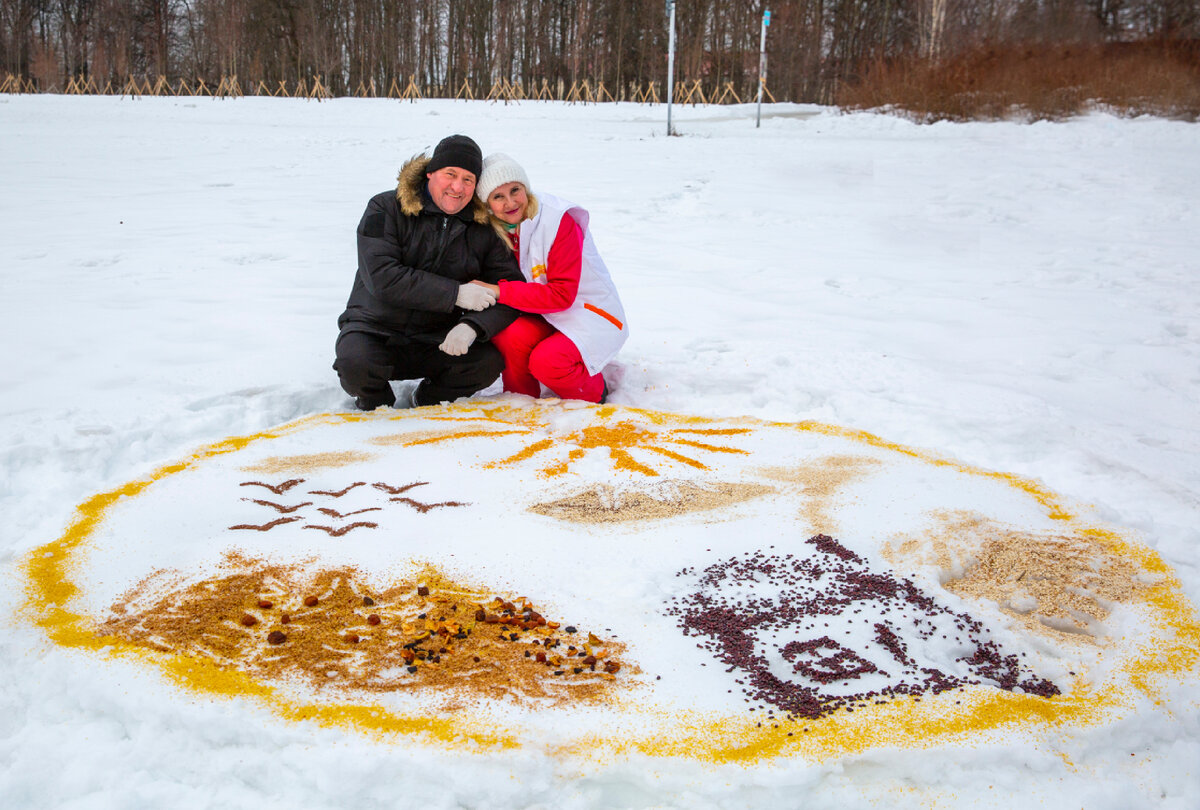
column 265, row 604
column 311, row 601
column 368, row 601
column 422, row 591
column 276, row 637
column 285, row 618
column 351, row 637
column 611, row 666
column 248, row 620
column 373, row 619
column 593, row 640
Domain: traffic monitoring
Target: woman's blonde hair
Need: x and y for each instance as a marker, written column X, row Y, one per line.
column 531, row 209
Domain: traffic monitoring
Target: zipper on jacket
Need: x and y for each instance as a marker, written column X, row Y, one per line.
column 437, row 262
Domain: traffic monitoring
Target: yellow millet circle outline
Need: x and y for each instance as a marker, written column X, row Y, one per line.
column 933, row 720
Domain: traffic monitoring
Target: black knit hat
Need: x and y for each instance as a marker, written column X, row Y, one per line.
column 457, row 150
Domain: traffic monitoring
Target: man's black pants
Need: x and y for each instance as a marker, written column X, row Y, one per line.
column 367, row 362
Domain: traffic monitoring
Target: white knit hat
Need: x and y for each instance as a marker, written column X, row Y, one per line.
column 498, row 169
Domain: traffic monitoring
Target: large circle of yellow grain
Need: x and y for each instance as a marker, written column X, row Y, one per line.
column 51, row 595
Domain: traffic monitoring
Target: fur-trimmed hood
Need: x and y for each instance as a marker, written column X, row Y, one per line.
column 410, row 187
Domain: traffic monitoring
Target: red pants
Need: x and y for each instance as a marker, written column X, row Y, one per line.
column 536, row 354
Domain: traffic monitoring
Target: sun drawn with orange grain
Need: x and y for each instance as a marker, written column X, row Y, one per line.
column 628, row 442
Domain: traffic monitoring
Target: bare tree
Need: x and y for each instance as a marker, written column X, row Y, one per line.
column 813, row 47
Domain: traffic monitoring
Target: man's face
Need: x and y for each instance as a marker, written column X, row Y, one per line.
column 451, row 188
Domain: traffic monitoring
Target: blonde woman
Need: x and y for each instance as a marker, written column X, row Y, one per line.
column 575, row 323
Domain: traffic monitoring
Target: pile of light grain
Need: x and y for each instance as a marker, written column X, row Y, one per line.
column 603, row 504
column 1055, row 585
column 308, row 463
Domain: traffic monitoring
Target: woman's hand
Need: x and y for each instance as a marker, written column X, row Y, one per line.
column 473, row 298
column 494, row 289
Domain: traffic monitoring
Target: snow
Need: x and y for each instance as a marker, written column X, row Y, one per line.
column 1016, row 298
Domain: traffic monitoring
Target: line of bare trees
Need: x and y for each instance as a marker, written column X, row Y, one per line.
column 812, row 45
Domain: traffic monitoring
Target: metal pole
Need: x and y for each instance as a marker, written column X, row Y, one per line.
column 762, row 65
column 670, row 64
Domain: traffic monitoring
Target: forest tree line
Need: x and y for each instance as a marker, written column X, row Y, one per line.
column 813, row 46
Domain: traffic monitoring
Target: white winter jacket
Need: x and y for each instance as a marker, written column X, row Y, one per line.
column 595, row 322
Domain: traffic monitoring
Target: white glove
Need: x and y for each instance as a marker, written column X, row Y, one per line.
column 472, row 296
column 458, row 340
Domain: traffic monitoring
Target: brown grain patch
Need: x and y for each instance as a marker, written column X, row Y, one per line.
column 820, row 482
column 431, row 642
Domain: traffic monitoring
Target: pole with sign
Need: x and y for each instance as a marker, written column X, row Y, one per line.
column 670, row 63
column 762, row 65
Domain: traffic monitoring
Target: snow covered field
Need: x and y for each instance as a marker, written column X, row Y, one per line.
column 1018, row 298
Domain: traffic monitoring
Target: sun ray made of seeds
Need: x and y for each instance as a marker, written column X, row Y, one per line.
column 469, row 429
column 622, row 438
column 625, row 436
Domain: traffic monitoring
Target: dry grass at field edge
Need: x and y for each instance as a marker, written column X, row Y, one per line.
column 1036, row 82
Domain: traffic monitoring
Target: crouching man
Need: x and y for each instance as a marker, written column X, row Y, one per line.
column 413, row 313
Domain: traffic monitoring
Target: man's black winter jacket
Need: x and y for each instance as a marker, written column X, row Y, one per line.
column 412, row 258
